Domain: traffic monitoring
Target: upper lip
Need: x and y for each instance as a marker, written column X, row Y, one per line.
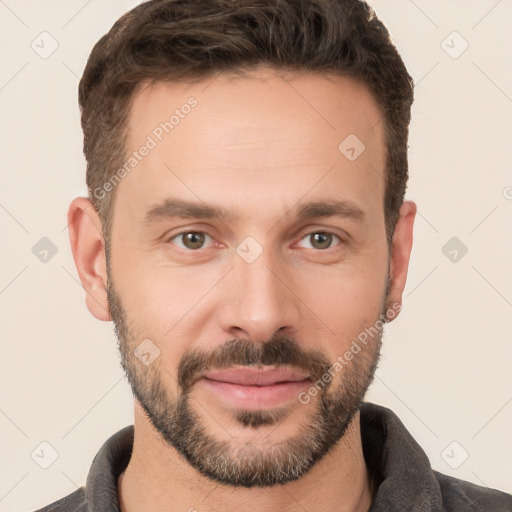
column 256, row 376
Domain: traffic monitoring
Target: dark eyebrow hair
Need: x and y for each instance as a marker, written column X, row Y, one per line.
column 330, row 208
column 173, row 207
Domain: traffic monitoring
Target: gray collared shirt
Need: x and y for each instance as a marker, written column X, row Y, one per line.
column 406, row 481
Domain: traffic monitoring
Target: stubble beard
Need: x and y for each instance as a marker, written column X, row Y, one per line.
column 261, row 462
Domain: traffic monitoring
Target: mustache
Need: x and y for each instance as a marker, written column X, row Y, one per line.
column 278, row 352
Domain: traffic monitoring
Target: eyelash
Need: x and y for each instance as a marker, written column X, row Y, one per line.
column 303, row 235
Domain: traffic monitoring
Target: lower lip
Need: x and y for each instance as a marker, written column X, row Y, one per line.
column 257, row 397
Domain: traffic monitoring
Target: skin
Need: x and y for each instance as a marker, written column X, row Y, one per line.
column 256, row 147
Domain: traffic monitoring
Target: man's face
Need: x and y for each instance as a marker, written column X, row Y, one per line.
column 273, row 284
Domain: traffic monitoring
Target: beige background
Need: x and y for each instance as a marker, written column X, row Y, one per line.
column 446, row 361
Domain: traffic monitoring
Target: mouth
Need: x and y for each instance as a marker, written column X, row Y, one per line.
column 266, row 376
column 256, row 388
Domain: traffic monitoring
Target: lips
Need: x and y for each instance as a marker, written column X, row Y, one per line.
column 266, row 376
column 254, row 389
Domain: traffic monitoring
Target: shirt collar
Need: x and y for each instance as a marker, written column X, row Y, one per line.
column 107, row 465
column 398, row 463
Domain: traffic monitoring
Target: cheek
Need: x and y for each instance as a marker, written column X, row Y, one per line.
column 346, row 301
column 164, row 304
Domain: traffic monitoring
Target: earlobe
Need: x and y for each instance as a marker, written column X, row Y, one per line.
column 88, row 247
column 400, row 253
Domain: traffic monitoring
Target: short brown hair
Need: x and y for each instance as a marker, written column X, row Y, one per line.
column 166, row 40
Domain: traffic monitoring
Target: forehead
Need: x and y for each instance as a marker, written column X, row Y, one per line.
column 262, row 98
column 262, row 136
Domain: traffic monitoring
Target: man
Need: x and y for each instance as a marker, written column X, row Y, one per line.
column 247, row 233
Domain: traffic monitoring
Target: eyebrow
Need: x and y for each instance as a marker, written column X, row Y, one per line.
column 174, row 207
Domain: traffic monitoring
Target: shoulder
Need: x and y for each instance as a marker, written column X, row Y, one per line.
column 74, row 502
column 461, row 495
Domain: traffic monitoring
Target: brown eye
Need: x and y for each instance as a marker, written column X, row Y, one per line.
column 192, row 240
column 321, row 240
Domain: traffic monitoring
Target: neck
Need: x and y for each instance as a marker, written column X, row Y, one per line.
column 158, row 478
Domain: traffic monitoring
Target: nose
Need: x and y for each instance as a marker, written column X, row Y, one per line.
column 258, row 300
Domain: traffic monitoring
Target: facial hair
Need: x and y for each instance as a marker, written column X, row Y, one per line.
column 248, row 464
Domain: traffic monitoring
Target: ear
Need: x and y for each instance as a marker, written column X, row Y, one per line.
column 400, row 253
column 88, row 247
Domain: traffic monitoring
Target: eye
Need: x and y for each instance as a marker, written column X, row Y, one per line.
column 191, row 240
column 321, row 240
